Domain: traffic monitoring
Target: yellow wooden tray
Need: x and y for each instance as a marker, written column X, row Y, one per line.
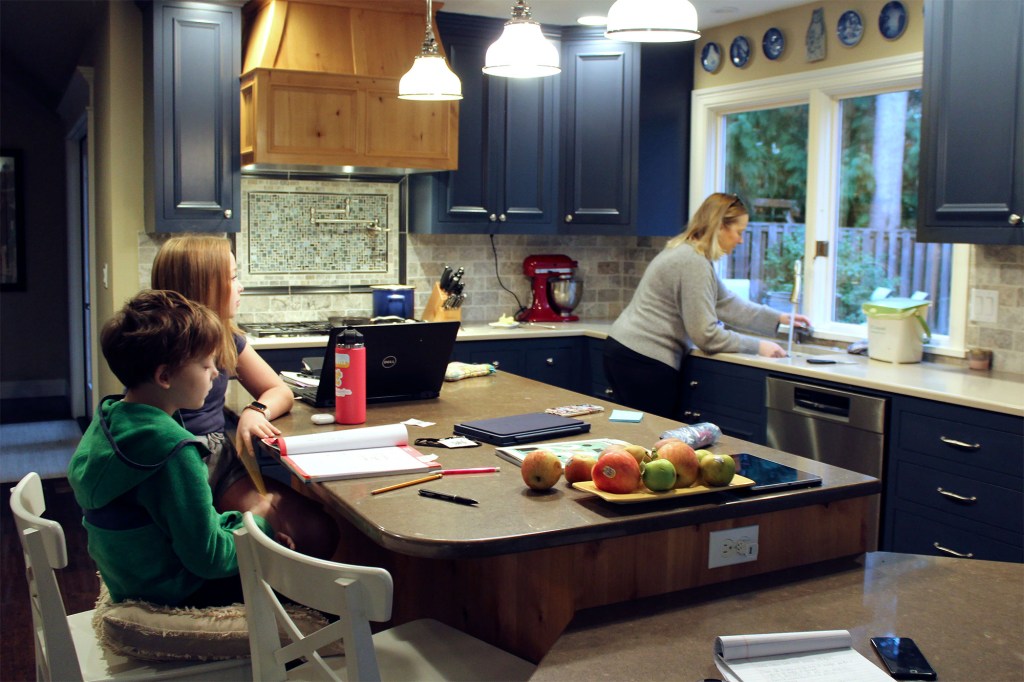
column 649, row 496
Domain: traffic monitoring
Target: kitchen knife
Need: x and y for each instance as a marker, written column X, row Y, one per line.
column 446, row 279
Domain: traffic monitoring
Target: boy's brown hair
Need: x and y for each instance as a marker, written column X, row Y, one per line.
column 158, row 328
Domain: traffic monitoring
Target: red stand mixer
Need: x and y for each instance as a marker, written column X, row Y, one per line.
column 556, row 288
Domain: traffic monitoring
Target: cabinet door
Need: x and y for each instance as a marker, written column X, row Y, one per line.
column 194, row 58
column 972, row 129
column 599, row 117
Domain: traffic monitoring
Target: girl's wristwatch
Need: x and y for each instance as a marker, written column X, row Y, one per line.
column 258, row 406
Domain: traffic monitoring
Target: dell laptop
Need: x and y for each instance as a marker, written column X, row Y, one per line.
column 404, row 361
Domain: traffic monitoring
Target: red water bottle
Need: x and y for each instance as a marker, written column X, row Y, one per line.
column 350, row 378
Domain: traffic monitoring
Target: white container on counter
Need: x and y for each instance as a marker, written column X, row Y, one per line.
column 896, row 329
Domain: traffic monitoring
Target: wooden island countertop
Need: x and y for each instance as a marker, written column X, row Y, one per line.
column 515, row 569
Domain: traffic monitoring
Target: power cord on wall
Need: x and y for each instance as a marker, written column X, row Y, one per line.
column 520, row 308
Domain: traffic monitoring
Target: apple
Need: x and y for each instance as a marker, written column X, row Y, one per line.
column 701, row 454
column 616, row 472
column 659, row 475
column 663, row 441
column 541, row 469
column 717, row 470
column 685, row 461
column 639, row 453
column 579, row 468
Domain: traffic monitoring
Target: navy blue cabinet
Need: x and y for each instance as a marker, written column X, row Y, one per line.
column 972, row 123
column 954, row 482
column 193, row 54
column 728, row 395
column 508, row 132
column 559, row 362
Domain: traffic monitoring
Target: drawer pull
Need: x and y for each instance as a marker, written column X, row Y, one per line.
column 496, row 364
column 609, row 391
column 960, row 444
column 694, row 384
column 959, row 498
column 550, row 362
column 968, row 555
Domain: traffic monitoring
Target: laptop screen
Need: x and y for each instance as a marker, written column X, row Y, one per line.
column 404, row 361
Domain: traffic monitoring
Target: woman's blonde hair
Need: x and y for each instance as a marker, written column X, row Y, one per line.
column 717, row 211
column 199, row 268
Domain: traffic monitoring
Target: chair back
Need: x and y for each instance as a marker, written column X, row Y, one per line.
column 355, row 594
column 42, row 541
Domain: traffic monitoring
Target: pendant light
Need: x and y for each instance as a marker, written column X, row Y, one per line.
column 522, row 51
column 652, row 21
column 430, row 78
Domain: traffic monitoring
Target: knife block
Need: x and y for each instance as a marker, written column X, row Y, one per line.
column 435, row 310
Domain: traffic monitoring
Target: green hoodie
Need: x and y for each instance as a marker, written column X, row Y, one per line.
column 153, row 530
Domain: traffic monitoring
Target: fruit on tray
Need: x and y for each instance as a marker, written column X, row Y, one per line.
column 683, row 459
column 639, row 453
column 616, row 471
column 541, row 469
column 717, row 470
column 659, row 475
column 579, row 468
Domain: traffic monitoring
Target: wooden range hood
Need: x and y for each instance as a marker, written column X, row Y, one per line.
column 320, row 88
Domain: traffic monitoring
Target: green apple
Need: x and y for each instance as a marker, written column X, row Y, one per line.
column 717, row 470
column 701, row 454
column 659, row 474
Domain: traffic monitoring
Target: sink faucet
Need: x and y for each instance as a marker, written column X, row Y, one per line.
column 794, row 301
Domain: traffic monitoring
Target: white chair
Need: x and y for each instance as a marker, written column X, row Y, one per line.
column 421, row 650
column 66, row 646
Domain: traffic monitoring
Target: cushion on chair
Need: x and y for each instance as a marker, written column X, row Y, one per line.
column 146, row 631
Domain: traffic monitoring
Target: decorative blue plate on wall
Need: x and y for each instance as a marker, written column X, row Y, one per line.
column 850, row 28
column 711, row 57
column 892, row 20
column 773, row 43
column 739, row 51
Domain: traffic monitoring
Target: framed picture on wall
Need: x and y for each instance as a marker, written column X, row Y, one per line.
column 12, row 228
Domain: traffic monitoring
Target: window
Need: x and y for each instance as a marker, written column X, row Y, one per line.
column 827, row 163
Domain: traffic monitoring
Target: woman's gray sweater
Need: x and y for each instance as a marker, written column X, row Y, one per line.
column 678, row 305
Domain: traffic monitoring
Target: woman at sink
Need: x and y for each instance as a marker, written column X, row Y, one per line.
column 679, row 305
column 202, row 268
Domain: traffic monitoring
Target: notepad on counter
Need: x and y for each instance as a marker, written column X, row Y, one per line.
column 822, row 656
column 352, row 453
column 625, row 416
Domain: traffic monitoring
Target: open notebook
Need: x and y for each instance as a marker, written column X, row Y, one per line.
column 403, row 362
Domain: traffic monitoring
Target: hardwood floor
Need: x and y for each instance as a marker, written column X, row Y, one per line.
column 78, row 582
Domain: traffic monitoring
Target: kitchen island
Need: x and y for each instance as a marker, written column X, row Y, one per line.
column 516, row 568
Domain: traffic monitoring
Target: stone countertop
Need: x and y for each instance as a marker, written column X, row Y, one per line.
column 967, row 616
column 994, row 391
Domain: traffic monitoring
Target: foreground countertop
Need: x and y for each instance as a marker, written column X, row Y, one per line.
column 967, row 617
column 994, row 391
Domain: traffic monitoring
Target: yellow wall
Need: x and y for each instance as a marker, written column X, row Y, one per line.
column 118, row 168
column 794, row 23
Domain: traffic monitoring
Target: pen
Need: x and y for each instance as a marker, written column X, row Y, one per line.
column 446, row 497
column 476, row 470
column 407, row 483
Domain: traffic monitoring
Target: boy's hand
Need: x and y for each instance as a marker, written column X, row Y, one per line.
column 283, row 539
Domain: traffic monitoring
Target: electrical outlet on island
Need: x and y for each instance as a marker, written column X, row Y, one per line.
column 732, row 546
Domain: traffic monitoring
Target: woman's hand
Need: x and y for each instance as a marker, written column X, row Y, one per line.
column 801, row 320
column 252, row 423
column 770, row 349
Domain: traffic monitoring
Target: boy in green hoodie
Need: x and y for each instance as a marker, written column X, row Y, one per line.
column 139, row 475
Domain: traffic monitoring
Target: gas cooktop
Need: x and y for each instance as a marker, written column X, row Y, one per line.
column 283, row 329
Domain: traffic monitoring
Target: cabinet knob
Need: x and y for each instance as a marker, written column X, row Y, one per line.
column 501, row 218
column 568, row 218
column 492, row 218
column 228, row 213
column 550, row 362
column 1014, row 219
column 609, row 392
column 496, row 364
column 694, row 384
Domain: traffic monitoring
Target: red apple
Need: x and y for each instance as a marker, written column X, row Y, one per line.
column 579, row 468
column 684, row 459
column 541, row 469
column 662, row 442
column 616, row 472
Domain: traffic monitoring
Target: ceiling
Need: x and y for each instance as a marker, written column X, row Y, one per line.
column 565, row 12
column 41, row 40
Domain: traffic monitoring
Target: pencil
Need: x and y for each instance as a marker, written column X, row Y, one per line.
column 407, row 483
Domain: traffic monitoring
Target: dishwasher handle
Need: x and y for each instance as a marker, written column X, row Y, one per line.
column 821, row 407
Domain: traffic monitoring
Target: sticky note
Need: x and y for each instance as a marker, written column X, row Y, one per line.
column 625, row 416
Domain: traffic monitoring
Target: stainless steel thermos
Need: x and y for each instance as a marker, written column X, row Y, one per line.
column 350, row 378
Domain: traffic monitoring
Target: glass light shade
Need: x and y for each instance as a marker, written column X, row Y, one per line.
column 522, row 51
column 430, row 79
column 652, row 21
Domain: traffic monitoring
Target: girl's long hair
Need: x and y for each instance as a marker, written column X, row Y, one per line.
column 717, row 211
column 199, row 268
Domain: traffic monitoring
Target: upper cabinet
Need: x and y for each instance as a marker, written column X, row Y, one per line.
column 972, row 135
column 320, row 87
column 192, row 60
column 506, row 180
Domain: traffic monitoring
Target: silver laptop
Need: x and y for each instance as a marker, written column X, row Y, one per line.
column 404, row 361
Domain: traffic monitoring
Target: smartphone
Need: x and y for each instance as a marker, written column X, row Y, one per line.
column 903, row 659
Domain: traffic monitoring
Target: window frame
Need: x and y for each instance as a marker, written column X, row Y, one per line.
column 821, row 90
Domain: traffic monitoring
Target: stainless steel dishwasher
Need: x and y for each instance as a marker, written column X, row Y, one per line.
column 836, row 427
